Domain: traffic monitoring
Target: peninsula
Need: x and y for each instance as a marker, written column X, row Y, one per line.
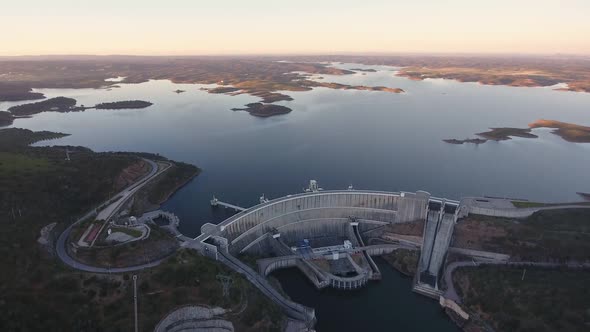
column 568, row 131
column 6, row 119
column 57, row 104
column 10, row 91
column 70, row 298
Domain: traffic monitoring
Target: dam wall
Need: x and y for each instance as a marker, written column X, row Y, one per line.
column 319, row 213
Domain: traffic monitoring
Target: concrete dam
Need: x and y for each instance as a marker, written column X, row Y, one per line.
column 321, row 233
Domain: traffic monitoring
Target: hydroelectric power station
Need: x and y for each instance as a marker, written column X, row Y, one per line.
column 329, row 236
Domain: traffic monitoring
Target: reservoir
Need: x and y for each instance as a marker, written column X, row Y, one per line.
column 371, row 140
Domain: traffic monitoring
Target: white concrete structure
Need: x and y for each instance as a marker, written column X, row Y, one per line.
column 322, row 212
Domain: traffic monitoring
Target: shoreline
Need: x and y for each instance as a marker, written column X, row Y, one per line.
column 179, row 186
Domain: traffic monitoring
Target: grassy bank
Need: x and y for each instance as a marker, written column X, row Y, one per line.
column 403, row 260
column 158, row 245
column 545, row 300
column 527, row 204
column 559, row 235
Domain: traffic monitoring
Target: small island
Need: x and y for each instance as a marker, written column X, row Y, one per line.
column 475, row 141
column 179, row 91
column 264, row 110
column 221, row 89
column 126, row 104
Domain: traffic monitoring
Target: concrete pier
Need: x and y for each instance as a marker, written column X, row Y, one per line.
column 217, row 202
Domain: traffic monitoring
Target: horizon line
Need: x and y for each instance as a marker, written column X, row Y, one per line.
column 270, row 54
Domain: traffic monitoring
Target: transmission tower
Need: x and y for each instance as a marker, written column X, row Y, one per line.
column 226, row 282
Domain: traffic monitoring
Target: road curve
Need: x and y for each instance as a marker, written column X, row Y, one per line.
column 113, row 206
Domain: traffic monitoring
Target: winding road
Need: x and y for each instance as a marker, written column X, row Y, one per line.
column 111, row 207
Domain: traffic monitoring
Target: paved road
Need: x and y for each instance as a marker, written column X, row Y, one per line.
column 293, row 310
column 113, row 207
column 451, row 293
column 124, row 195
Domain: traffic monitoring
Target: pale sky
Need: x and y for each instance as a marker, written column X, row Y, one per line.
column 193, row 27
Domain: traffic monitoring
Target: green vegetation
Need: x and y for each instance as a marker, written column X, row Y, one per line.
column 77, row 301
column 15, row 139
column 175, row 177
column 57, row 104
column 6, row 118
column 11, row 163
column 264, row 110
column 405, row 261
column 13, row 91
column 475, row 141
column 158, row 245
column 39, row 293
column 189, row 278
column 40, row 189
column 546, row 300
column 555, row 235
column 249, row 260
column 222, row 89
column 527, row 204
column 127, row 104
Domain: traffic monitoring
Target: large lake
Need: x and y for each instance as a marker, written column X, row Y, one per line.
column 372, row 140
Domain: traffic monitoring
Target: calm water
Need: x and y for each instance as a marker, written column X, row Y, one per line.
column 373, row 140
column 388, row 305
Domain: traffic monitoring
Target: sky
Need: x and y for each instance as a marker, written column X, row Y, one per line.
column 195, row 27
